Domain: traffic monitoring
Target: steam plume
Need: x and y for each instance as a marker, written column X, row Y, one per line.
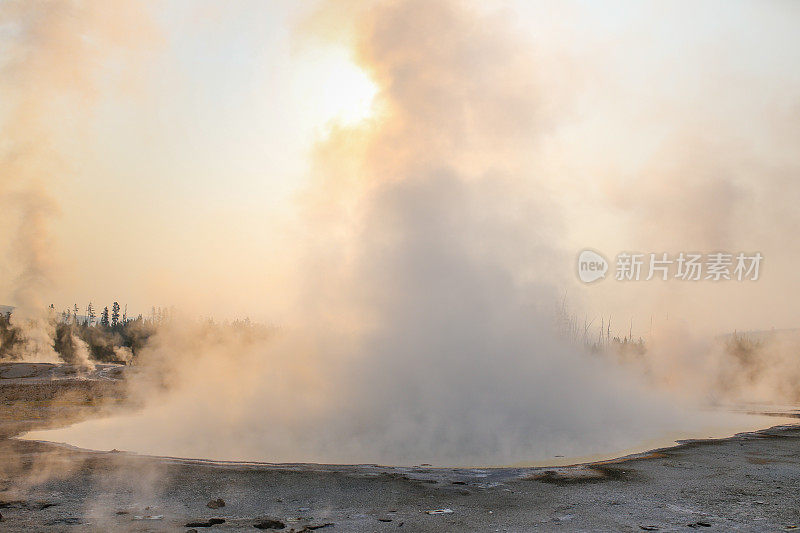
column 421, row 328
column 49, row 65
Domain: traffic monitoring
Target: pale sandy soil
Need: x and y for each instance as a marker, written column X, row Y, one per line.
column 746, row 483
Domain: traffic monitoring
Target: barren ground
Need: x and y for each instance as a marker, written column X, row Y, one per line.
column 750, row 482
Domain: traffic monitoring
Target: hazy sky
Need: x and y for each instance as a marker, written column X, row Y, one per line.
column 178, row 179
column 228, row 161
column 665, row 127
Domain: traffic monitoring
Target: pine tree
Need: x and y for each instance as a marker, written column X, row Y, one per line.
column 104, row 317
column 115, row 315
column 90, row 314
column 75, row 314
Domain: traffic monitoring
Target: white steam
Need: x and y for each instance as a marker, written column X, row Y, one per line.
column 51, row 58
column 422, row 326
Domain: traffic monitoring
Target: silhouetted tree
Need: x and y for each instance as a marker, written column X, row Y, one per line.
column 104, row 317
column 90, row 314
column 11, row 339
column 115, row 315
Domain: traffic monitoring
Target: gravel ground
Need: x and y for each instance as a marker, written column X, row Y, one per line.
column 750, row 482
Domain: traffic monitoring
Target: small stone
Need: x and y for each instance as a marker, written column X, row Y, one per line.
column 216, row 504
column 209, row 523
column 269, row 523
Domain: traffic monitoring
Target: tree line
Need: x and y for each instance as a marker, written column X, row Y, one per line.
column 114, row 337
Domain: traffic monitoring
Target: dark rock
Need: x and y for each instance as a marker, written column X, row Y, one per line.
column 311, row 527
column 696, row 525
column 269, row 523
column 21, row 504
column 16, row 504
column 209, row 523
column 44, row 505
column 70, row 520
column 216, row 504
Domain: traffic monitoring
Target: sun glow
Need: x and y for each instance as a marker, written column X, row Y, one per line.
column 333, row 89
